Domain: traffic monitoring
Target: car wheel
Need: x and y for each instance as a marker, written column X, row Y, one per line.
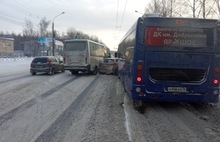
column 74, row 72
column 52, row 71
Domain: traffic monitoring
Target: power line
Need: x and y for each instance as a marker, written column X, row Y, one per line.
column 16, row 6
column 122, row 18
column 14, row 20
column 21, row 5
column 123, row 13
column 117, row 15
column 11, row 20
column 19, row 9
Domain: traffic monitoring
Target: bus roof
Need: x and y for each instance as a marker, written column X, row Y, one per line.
column 179, row 22
column 71, row 40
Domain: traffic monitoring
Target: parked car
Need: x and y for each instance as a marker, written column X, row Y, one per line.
column 109, row 66
column 47, row 64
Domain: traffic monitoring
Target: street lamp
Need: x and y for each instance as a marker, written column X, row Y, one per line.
column 139, row 12
column 53, row 33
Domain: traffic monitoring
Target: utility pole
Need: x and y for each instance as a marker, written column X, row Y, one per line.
column 53, row 33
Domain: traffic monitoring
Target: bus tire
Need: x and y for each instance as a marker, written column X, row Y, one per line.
column 138, row 105
column 33, row 73
column 94, row 72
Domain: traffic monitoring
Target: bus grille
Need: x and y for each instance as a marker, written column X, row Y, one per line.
column 175, row 74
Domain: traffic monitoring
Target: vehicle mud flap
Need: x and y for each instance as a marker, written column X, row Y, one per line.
column 139, row 106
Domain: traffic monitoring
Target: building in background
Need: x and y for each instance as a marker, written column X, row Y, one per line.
column 6, row 47
column 30, row 48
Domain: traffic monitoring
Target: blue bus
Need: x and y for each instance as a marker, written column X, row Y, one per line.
column 170, row 60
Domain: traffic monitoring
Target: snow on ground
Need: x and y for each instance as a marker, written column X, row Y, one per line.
column 14, row 65
column 86, row 108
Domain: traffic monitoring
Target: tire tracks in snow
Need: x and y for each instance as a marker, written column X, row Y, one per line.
column 165, row 122
column 59, row 127
column 9, row 115
column 13, row 79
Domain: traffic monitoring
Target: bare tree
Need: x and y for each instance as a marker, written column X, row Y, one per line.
column 71, row 32
column 218, row 7
column 208, row 9
column 185, row 8
column 28, row 29
column 200, row 8
column 43, row 26
column 164, row 8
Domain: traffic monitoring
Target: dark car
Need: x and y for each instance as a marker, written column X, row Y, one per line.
column 109, row 66
column 47, row 64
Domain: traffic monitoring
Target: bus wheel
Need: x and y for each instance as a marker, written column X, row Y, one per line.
column 138, row 105
column 95, row 71
column 33, row 73
column 74, row 72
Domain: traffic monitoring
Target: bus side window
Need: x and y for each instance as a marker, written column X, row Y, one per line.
column 129, row 55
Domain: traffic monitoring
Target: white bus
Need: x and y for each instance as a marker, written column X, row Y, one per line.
column 83, row 55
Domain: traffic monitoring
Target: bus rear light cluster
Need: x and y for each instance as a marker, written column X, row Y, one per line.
column 139, row 73
column 216, row 75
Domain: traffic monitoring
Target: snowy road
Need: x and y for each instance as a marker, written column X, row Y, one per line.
column 88, row 108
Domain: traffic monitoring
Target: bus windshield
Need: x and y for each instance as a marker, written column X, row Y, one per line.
column 75, row 46
column 179, row 37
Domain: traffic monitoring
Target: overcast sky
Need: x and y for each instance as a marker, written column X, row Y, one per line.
column 93, row 17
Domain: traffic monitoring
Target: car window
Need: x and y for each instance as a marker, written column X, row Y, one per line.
column 40, row 60
column 108, row 60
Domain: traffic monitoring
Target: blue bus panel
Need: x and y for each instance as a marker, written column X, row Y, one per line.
column 171, row 60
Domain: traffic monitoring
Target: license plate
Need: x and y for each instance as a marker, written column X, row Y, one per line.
column 177, row 89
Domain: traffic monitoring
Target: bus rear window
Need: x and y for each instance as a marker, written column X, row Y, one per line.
column 75, row 46
column 179, row 37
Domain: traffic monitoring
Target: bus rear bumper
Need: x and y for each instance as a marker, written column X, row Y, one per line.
column 159, row 97
column 77, row 68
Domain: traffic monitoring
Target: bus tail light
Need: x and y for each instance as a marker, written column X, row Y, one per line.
column 216, row 81
column 139, row 79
